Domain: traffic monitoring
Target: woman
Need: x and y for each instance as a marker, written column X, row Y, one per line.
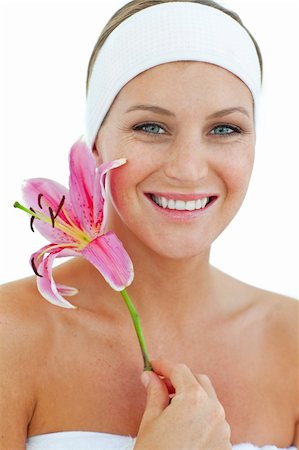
column 174, row 90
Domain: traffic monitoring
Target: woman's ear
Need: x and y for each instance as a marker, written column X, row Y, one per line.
column 97, row 154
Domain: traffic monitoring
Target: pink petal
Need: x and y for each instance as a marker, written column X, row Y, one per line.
column 108, row 255
column 45, row 282
column 66, row 291
column 100, row 191
column 81, row 181
column 42, row 194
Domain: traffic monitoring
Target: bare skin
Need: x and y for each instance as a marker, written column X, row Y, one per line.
column 68, row 368
column 64, row 369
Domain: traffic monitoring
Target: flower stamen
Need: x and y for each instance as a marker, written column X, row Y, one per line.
column 52, row 216
column 39, row 200
column 63, row 226
column 50, row 249
column 35, row 269
column 32, row 219
column 70, row 222
column 60, row 206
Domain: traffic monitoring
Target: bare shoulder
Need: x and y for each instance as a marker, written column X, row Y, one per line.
column 23, row 331
column 273, row 327
column 281, row 314
column 279, row 317
column 275, row 318
column 24, row 319
column 21, row 308
column 277, row 314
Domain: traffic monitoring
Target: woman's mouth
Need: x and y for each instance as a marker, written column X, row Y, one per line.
column 181, row 205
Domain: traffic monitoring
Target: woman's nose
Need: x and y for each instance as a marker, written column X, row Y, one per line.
column 187, row 162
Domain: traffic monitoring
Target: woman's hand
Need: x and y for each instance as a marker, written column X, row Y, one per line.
column 194, row 420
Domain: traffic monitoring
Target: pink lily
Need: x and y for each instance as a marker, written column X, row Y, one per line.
column 73, row 220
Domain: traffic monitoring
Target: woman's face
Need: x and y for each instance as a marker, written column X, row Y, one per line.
column 189, row 158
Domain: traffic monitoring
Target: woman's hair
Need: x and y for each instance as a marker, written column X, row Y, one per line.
column 135, row 6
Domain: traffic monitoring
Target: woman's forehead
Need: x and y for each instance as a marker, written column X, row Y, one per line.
column 187, row 81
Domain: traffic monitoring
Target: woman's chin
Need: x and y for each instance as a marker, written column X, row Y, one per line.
column 172, row 249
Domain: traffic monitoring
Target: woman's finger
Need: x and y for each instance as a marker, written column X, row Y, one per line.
column 179, row 375
column 206, row 383
column 157, row 396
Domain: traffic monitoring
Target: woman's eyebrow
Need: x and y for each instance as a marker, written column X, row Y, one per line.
column 166, row 112
column 152, row 108
column 227, row 111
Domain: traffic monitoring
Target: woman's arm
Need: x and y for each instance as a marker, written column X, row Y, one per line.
column 296, row 441
column 17, row 373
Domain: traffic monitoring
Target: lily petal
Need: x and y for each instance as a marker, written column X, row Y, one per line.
column 99, row 204
column 66, row 291
column 42, row 194
column 81, row 181
column 108, row 255
column 45, row 282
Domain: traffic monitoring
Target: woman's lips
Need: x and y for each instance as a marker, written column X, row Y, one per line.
column 178, row 210
column 182, row 202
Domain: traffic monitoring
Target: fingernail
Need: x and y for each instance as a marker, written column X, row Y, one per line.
column 145, row 379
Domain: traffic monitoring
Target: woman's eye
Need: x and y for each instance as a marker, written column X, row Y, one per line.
column 225, row 130
column 150, row 128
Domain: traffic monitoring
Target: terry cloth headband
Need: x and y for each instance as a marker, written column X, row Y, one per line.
column 173, row 31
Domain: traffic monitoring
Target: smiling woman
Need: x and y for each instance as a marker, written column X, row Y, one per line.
column 54, row 134
column 173, row 98
column 199, row 156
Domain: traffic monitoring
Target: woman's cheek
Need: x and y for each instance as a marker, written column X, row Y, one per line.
column 121, row 187
column 237, row 169
column 116, row 186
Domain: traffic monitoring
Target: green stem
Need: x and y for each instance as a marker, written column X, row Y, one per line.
column 138, row 329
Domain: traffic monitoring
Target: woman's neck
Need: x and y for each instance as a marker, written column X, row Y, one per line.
column 163, row 284
column 157, row 268
column 183, row 285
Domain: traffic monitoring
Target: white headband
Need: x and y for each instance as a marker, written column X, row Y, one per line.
column 173, row 31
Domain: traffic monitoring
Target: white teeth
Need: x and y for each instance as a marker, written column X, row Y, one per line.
column 180, row 205
column 171, row 204
column 198, row 204
column 191, row 205
column 164, row 202
column 204, row 201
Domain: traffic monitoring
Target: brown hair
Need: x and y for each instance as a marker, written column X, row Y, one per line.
column 135, row 6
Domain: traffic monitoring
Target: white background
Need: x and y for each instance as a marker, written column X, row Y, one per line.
column 45, row 48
